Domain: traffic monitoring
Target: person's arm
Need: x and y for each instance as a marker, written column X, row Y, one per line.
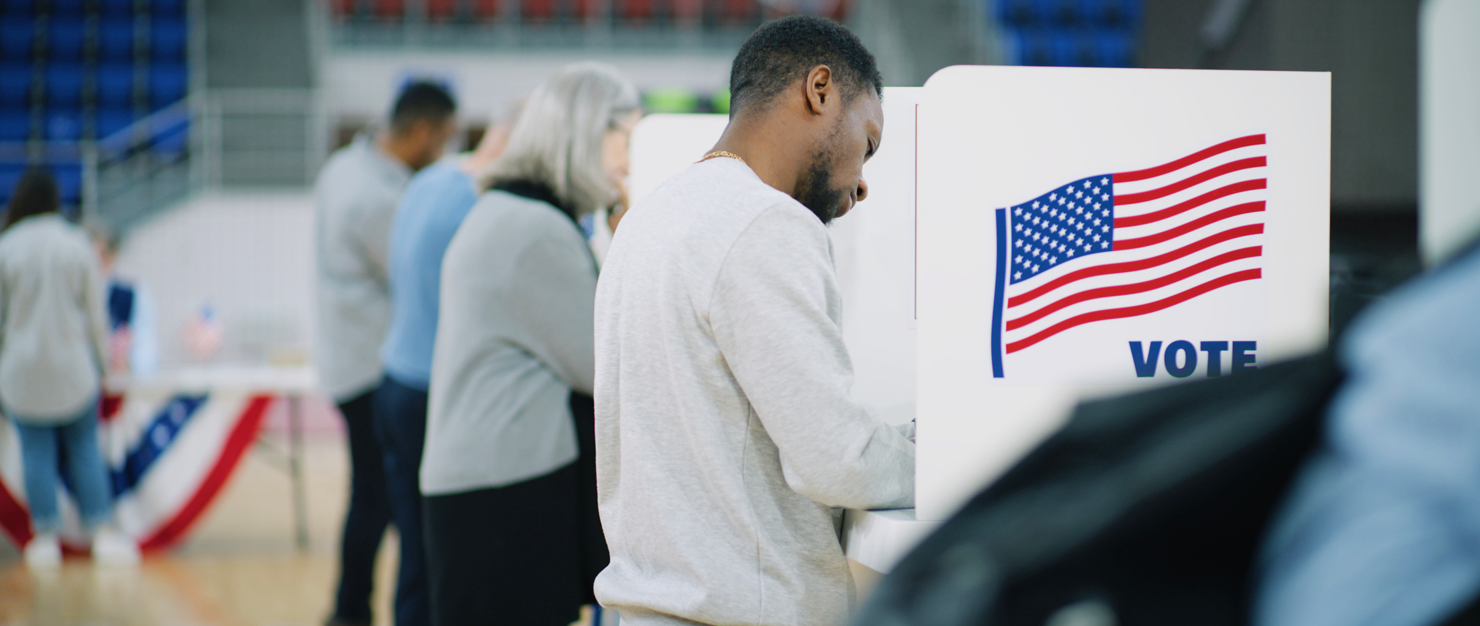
column 769, row 312
column 1381, row 527
column 371, row 230
column 554, row 297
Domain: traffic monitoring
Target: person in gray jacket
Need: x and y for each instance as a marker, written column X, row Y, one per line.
column 355, row 201
column 53, row 351
column 725, row 422
column 508, row 476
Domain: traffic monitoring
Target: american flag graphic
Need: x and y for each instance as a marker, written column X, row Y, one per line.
column 1114, row 246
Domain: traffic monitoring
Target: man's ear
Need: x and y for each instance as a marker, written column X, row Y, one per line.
column 822, row 92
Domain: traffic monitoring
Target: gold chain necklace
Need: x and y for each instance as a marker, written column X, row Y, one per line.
column 721, row 153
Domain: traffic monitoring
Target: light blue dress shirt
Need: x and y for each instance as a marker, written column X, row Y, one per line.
column 431, row 210
column 1383, row 527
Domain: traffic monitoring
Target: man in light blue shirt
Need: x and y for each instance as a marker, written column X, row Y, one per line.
column 1383, row 526
column 428, row 215
column 432, row 208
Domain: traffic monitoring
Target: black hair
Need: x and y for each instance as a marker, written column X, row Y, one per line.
column 421, row 101
column 35, row 194
column 782, row 51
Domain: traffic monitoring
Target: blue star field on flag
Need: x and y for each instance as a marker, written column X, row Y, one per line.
column 1067, row 223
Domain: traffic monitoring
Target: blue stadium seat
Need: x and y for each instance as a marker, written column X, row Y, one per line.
column 1114, row 49
column 1070, row 48
column 10, row 174
column 64, row 36
column 111, row 121
column 115, row 85
column 63, row 126
column 167, row 84
column 1015, row 13
column 69, row 182
column 66, row 7
column 167, row 38
column 1059, row 12
column 18, row 8
column 117, row 7
column 1031, row 47
column 15, row 126
column 15, row 86
column 116, row 39
column 167, row 7
column 64, row 85
column 17, row 37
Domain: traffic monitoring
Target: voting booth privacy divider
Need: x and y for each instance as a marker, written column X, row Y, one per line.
column 1038, row 236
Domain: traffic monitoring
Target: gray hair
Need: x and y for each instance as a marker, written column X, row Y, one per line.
column 557, row 140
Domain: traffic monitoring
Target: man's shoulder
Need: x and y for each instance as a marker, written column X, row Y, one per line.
column 720, row 182
column 445, row 174
column 354, row 172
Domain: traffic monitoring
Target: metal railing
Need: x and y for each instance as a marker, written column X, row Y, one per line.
column 262, row 138
column 122, row 176
column 219, row 139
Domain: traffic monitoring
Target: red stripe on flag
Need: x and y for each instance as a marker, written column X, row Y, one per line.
column 14, row 517
column 1151, row 307
column 1155, row 194
column 1132, row 266
column 1125, row 290
column 1173, row 233
column 241, row 437
column 1178, row 209
column 1232, row 144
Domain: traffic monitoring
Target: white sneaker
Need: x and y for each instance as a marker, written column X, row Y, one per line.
column 110, row 547
column 44, row 551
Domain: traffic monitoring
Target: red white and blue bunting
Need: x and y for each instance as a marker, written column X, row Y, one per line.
column 168, row 457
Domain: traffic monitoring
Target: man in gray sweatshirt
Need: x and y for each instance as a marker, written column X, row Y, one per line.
column 355, row 200
column 725, row 426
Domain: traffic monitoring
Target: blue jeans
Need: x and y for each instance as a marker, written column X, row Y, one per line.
column 78, row 438
column 401, row 425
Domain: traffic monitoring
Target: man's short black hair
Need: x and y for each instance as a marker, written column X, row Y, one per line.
column 421, row 101
column 781, row 52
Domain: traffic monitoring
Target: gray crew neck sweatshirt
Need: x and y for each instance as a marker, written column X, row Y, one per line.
column 53, row 325
column 725, row 424
column 354, row 202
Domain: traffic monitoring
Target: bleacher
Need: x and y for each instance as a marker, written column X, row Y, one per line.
column 1073, row 33
column 630, row 14
column 77, row 73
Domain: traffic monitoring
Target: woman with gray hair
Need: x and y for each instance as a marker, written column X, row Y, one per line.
column 509, row 479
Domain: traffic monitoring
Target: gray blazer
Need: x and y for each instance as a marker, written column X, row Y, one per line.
column 53, row 328
column 514, row 338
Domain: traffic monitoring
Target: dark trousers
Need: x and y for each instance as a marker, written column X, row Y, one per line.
column 401, row 423
column 524, row 554
column 368, row 515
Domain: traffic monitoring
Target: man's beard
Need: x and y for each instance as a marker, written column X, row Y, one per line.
column 815, row 191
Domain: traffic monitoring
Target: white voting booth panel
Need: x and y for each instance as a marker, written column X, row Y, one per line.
column 872, row 244
column 1086, row 231
column 1449, row 126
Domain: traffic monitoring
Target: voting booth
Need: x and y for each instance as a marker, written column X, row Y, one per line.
column 1085, row 232
column 1037, row 236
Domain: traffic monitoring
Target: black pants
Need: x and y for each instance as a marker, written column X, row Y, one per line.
column 401, row 422
column 368, row 514
column 522, row 555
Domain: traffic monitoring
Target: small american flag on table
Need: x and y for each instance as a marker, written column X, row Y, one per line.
column 1114, row 246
